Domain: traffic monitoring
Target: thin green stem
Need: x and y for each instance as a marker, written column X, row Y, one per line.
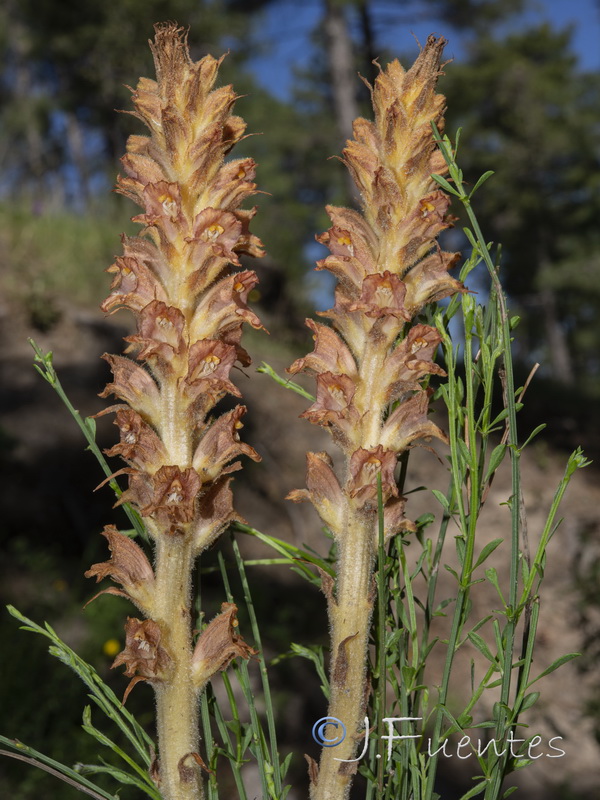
column 478, row 241
column 60, row 771
column 43, row 364
column 211, row 786
column 263, row 667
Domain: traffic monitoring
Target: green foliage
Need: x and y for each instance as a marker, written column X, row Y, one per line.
column 472, row 468
column 75, row 62
column 532, row 117
column 408, row 588
column 408, row 599
column 43, row 364
column 226, row 735
column 111, row 706
column 54, row 258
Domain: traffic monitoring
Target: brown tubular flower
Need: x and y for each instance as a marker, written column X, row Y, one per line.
column 371, row 363
column 217, row 646
column 178, row 279
column 128, row 566
column 144, row 656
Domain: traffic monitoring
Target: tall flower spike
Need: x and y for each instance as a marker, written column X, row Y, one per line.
column 177, row 279
column 370, row 364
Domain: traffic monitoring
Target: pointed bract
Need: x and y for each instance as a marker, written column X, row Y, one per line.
column 144, row 656
column 128, row 566
column 217, row 646
column 324, row 491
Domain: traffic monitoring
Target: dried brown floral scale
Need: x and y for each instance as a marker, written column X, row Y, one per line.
column 190, row 306
column 370, row 364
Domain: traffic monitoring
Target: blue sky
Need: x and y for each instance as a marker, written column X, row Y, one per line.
column 288, row 25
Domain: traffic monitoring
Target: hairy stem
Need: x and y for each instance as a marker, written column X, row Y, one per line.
column 350, row 618
column 176, row 699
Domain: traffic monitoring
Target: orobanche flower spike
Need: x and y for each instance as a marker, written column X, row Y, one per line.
column 370, row 364
column 190, row 306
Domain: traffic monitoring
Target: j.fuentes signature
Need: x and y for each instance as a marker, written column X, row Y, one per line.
column 330, row 732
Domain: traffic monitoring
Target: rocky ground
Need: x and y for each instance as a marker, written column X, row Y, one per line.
column 48, row 502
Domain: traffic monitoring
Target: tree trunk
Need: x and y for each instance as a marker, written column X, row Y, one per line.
column 369, row 52
column 76, row 142
column 343, row 74
column 560, row 357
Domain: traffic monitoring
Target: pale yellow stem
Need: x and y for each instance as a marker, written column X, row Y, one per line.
column 368, row 398
column 175, row 425
column 177, row 699
column 350, row 613
column 350, row 618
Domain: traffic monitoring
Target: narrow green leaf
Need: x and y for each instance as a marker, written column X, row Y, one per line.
column 472, row 240
column 529, row 700
column 477, row 789
column 555, row 665
column 524, row 568
column 495, row 460
column 408, row 675
column 464, row 451
column 481, row 181
column 441, row 498
column 454, row 723
column 504, row 413
column 90, row 423
column 285, row 764
column 295, row 555
column 119, row 775
column 522, row 762
column 481, row 645
column 456, row 142
column 25, row 753
column 314, row 654
column 425, row 519
column 493, row 685
column 498, row 638
column 482, row 622
column 107, row 742
column 498, row 709
column 492, row 575
column 487, row 551
column 445, row 185
column 438, row 612
column 532, row 435
column 88, row 428
column 464, row 720
column 102, row 694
